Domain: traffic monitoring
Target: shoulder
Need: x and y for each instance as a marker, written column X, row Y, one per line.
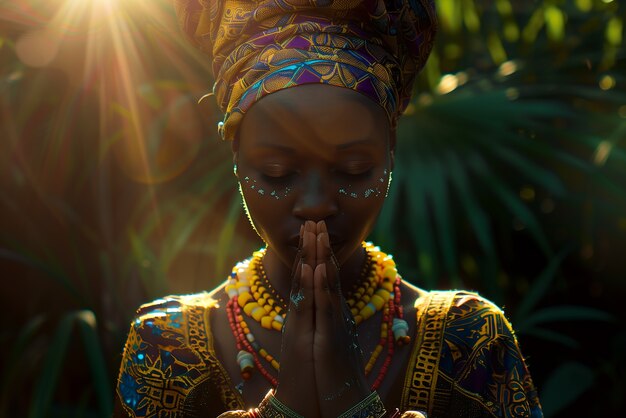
column 466, row 322
column 476, row 323
column 166, row 353
column 475, row 317
column 169, row 321
column 481, row 355
column 174, row 304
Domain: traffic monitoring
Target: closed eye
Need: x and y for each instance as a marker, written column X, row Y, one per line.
column 277, row 177
column 355, row 169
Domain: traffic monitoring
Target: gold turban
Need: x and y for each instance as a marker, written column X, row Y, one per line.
column 375, row 47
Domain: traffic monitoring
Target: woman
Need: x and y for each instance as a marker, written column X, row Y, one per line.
column 318, row 323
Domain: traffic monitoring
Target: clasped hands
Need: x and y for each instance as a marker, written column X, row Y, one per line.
column 321, row 364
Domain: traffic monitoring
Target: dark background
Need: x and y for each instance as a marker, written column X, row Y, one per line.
column 114, row 189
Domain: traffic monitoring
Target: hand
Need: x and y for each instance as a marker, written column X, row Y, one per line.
column 322, row 371
column 339, row 367
column 296, row 378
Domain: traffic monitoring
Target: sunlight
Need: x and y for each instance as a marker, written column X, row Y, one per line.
column 99, row 47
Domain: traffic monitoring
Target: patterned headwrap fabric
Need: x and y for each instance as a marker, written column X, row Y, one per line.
column 375, row 47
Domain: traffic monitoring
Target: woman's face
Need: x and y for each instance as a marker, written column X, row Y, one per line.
column 314, row 152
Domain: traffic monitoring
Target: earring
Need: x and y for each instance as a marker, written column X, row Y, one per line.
column 388, row 184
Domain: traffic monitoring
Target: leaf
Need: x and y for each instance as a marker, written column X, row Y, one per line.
column 227, row 233
column 564, row 386
column 419, row 223
column 48, row 270
column 476, row 215
column 46, row 385
column 564, row 313
column 532, row 171
column 438, row 192
column 14, row 364
column 555, row 23
column 47, row 382
column 553, row 336
column 539, row 287
column 512, row 201
column 95, row 357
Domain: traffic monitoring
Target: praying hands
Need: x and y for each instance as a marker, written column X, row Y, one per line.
column 322, row 371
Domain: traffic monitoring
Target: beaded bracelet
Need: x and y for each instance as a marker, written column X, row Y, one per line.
column 270, row 407
column 370, row 407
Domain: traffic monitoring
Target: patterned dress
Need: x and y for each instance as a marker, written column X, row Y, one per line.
column 465, row 362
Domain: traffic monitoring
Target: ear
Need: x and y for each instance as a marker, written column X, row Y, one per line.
column 235, row 161
column 392, row 148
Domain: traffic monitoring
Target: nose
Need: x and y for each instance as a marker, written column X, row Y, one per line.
column 315, row 200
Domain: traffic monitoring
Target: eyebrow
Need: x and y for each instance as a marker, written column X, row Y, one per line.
column 355, row 143
column 283, row 148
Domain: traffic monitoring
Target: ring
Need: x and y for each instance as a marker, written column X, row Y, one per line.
column 297, row 298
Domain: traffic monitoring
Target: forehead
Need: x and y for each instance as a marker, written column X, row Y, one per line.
column 318, row 116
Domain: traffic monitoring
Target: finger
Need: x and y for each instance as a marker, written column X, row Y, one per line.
column 299, row 251
column 322, row 248
column 295, row 278
column 309, row 250
column 328, row 313
column 299, row 319
column 297, row 262
column 323, row 304
column 325, row 255
column 303, row 301
column 321, row 227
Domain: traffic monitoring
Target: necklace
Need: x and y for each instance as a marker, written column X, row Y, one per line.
column 250, row 291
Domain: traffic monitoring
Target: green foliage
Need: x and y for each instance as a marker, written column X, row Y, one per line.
column 53, row 362
column 509, row 179
column 565, row 385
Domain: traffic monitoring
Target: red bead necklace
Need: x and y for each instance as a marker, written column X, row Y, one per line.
column 365, row 299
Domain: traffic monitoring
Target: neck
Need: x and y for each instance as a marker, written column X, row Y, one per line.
column 279, row 274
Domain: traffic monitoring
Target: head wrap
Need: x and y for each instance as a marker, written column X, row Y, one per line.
column 375, row 47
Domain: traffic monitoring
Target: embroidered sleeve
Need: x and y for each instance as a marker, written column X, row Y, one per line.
column 159, row 369
column 482, row 356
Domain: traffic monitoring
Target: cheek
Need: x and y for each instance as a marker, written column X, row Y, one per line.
column 375, row 188
column 265, row 205
column 261, row 189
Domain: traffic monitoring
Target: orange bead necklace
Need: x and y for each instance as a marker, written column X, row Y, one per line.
column 251, row 294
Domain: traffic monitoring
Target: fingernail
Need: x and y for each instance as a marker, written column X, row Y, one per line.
column 325, row 240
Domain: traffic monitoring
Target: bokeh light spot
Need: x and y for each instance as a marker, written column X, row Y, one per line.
column 527, row 193
column 507, row 68
column 448, row 83
column 38, row 48
column 607, row 82
column 602, row 152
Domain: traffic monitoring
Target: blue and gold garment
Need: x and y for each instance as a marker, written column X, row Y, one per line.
column 465, row 362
